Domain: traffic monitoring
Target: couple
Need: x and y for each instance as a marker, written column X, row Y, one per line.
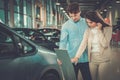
column 86, row 40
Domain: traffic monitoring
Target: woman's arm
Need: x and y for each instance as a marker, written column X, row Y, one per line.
column 82, row 47
column 105, row 37
column 83, row 44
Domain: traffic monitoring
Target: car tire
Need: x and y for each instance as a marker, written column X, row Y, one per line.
column 50, row 76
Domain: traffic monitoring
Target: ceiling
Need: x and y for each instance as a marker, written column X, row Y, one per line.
column 85, row 5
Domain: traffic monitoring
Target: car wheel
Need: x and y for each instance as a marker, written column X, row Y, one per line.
column 50, row 76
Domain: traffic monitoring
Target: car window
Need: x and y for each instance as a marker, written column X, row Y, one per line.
column 24, row 46
column 21, row 33
column 12, row 44
column 6, row 44
column 5, row 38
column 36, row 36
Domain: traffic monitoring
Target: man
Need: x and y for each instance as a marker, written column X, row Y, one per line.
column 71, row 36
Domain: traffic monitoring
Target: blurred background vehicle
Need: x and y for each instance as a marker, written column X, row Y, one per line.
column 116, row 27
column 52, row 34
column 37, row 37
column 21, row 59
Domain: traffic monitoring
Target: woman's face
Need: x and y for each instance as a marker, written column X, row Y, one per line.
column 90, row 23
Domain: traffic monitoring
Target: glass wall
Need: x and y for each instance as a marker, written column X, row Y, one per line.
column 2, row 19
column 28, row 14
column 3, row 10
column 47, row 13
column 23, row 13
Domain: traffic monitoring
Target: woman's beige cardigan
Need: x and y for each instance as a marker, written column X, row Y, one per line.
column 104, row 39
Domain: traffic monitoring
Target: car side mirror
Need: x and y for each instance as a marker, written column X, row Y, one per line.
column 21, row 48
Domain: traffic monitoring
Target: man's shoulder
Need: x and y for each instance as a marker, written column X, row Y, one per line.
column 67, row 23
column 82, row 20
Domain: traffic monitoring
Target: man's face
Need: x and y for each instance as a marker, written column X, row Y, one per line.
column 75, row 16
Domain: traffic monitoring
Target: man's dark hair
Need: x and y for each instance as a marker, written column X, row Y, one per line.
column 73, row 8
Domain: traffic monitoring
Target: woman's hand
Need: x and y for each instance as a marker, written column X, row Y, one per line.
column 74, row 60
column 99, row 26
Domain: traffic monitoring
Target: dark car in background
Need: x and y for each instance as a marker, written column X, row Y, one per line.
column 36, row 37
column 21, row 59
column 52, row 34
column 116, row 27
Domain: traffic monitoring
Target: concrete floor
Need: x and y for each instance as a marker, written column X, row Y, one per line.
column 112, row 72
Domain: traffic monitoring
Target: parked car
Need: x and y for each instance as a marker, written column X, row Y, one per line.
column 37, row 37
column 21, row 59
column 52, row 34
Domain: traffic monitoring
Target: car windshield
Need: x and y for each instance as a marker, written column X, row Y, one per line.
column 29, row 33
column 50, row 32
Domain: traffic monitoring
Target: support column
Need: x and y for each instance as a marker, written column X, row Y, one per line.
column 11, row 13
column 115, row 12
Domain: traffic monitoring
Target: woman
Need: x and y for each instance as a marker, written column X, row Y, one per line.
column 97, row 39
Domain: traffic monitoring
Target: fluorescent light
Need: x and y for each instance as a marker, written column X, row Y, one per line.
column 117, row 1
column 57, row 4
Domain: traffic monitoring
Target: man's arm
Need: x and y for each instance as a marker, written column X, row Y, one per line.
column 63, row 39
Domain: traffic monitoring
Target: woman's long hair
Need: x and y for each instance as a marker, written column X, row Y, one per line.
column 96, row 17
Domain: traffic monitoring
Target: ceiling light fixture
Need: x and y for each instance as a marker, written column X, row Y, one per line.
column 117, row 1
column 57, row 4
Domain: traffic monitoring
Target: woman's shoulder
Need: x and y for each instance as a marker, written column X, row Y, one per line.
column 108, row 29
column 87, row 31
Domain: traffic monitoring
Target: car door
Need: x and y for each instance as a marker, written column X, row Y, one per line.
column 20, row 59
column 16, row 57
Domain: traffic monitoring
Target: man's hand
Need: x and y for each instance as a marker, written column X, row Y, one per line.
column 59, row 62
